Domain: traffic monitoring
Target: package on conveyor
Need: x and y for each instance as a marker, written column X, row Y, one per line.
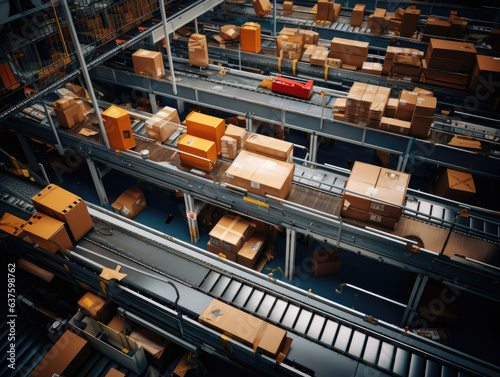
column 308, row 51
column 486, row 70
column 13, row 225
column 96, row 307
column 163, row 124
column 250, row 37
column 289, row 31
column 325, row 262
column 351, row 52
column 454, row 184
column 260, row 174
column 434, row 27
column 269, row 146
column 251, row 251
column 48, row 233
column 148, row 63
column 458, row 25
column 118, row 128
column 130, row 203
column 228, row 236
column 207, row 127
column 69, row 112
column 423, row 114
column 339, row 107
column 365, row 104
column 372, row 68
column 375, row 184
column 309, row 36
column 198, row 50
column 229, row 32
column 197, row 152
column 288, row 6
column 332, row 62
column 262, row 8
column 66, row 207
column 319, row 56
column 402, row 62
column 409, row 22
column 237, row 133
column 376, row 21
column 358, row 13
column 406, row 105
column 289, row 47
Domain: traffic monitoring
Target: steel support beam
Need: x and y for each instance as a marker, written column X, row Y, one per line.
column 291, row 244
column 416, row 294
column 99, row 186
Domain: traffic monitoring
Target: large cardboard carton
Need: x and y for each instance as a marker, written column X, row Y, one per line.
column 191, row 146
column 229, row 147
column 48, row 232
column 261, row 175
column 450, row 56
column 262, row 8
column 198, row 50
column 425, row 106
column 485, row 75
column 410, row 22
column 148, row 63
column 406, row 105
column 230, row 233
column 269, row 146
column 434, row 27
column 357, row 214
column 229, row 32
column 66, row 207
column 287, row 6
column 13, row 225
column 237, row 133
column 376, row 21
column 249, row 254
column 354, row 61
column 349, row 46
column 130, row 203
column 325, row 262
column 420, row 125
column 118, row 128
column 97, row 308
column 65, row 358
column 156, row 347
column 397, row 126
column 68, row 112
column 207, row 127
column 252, row 331
column 455, row 185
column 358, row 13
column 250, row 37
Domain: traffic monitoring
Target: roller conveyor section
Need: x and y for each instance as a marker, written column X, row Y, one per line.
column 325, row 335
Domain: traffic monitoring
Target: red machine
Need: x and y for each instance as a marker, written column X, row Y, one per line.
column 294, row 88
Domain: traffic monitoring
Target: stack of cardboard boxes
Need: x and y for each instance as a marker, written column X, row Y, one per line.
column 148, row 63
column 163, row 124
column 458, row 25
column 229, row 235
column 198, row 50
column 448, row 63
column 339, row 108
column 352, row 53
column 404, row 62
column 365, row 104
column 367, row 185
column 69, row 111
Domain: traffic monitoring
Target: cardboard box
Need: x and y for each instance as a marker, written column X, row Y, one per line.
column 66, row 207
column 331, row 62
column 252, row 331
column 262, row 8
column 13, row 225
column 455, row 185
column 339, row 116
column 423, row 92
column 323, row 12
column 97, row 308
column 365, row 173
column 404, row 70
column 261, row 175
column 221, row 252
column 289, row 44
column 230, row 233
column 288, row 6
column 440, row 51
column 183, row 366
column 163, row 124
column 237, row 133
column 130, row 203
column 357, row 214
column 250, row 35
column 390, row 110
column 372, row 68
column 445, row 78
column 435, row 27
column 319, row 57
column 157, row 348
column 310, row 37
column 207, row 127
column 249, row 254
column 68, row 112
column 358, row 13
column 348, row 60
column 229, row 32
column 336, row 11
column 485, row 75
column 395, row 125
column 114, row 373
column 349, row 46
column 229, row 147
column 458, row 27
column 48, row 232
column 425, row 106
column 191, row 146
column 376, row 21
column 406, row 105
column 148, row 63
column 340, row 105
column 198, row 50
column 325, row 262
column 420, row 126
column 67, row 357
column 289, row 31
column 269, row 146
column 409, row 22
column 355, row 94
column 118, row 128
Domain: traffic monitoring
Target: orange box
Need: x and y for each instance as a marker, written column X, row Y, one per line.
column 250, row 37
column 198, row 147
column 207, row 127
column 118, row 128
column 96, row 307
column 48, row 232
column 148, row 63
column 12, row 225
column 66, row 207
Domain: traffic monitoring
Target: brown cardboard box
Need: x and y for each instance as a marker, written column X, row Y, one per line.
column 340, row 105
column 392, row 105
column 66, row 357
column 269, row 146
column 261, row 175
column 372, row 68
column 319, row 57
column 250, row 37
column 114, row 373
column 157, row 348
column 406, row 105
column 221, row 252
column 325, row 262
column 96, row 307
column 399, row 13
column 13, row 225
column 336, row 63
column 354, row 213
column 262, row 8
column 435, row 27
column 425, row 106
column 458, row 27
column 349, row 46
column 410, row 22
column 365, row 173
column 455, row 185
column 229, row 32
column 420, row 126
column 207, row 127
column 310, row 37
column 68, row 112
column 289, row 43
column 48, row 232
column 289, row 31
column 130, row 203
column 252, row 249
column 349, row 60
column 238, row 133
column 339, row 117
column 395, row 125
column 229, row 147
column 308, row 51
column 355, row 94
column 423, row 92
column 160, row 129
column 198, row 50
column 288, row 6
column 450, row 56
column 230, row 233
column 485, row 75
column 148, row 63
column 66, row 207
column 444, row 78
column 358, row 13
column 250, row 330
column 183, row 366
